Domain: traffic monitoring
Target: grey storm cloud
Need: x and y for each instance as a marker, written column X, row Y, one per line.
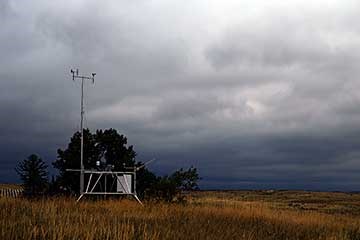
column 255, row 94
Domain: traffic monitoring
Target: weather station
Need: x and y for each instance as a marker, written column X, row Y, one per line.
column 102, row 180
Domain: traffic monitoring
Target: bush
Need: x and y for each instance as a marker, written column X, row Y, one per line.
column 171, row 188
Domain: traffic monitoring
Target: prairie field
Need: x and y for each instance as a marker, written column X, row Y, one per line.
column 258, row 215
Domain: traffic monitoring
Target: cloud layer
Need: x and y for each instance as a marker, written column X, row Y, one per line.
column 254, row 94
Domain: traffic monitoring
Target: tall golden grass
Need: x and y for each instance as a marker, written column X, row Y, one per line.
column 205, row 218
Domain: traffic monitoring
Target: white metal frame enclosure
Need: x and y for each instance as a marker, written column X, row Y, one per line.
column 125, row 183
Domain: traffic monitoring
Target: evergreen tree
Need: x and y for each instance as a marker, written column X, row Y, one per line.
column 34, row 175
column 70, row 159
column 108, row 147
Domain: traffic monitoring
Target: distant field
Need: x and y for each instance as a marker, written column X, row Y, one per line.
column 259, row 215
column 304, row 201
column 10, row 186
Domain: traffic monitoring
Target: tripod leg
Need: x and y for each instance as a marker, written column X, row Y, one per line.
column 79, row 197
column 136, row 197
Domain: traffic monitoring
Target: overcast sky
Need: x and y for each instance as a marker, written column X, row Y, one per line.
column 255, row 94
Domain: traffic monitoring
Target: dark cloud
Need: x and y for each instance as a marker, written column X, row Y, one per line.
column 255, row 95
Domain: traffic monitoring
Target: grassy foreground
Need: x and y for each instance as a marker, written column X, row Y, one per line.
column 208, row 215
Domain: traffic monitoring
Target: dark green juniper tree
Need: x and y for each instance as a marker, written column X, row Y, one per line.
column 34, row 175
column 70, row 159
column 107, row 146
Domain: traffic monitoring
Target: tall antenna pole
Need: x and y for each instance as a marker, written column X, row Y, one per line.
column 75, row 75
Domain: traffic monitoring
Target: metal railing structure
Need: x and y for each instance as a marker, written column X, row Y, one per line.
column 11, row 192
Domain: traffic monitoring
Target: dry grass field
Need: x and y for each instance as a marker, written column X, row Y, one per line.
column 258, row 215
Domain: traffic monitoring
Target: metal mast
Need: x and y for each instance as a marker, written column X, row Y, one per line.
column 75, row 75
